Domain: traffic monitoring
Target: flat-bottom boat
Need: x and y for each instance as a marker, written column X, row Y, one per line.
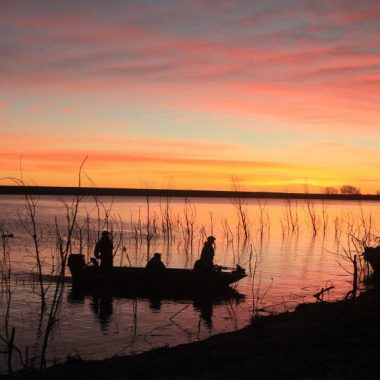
column 138, row 280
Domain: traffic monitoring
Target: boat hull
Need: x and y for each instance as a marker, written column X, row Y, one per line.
column 141, row 281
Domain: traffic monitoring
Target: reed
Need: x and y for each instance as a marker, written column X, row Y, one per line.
column 228, row 234
column 292, row 217
column 258, row 293
column 63, row 245
column 8, row 336
column 263, row 220
column 166, row 219
column 337, row 230
column 148, row 233
column 313, row 216
column 350, row 251
column 325, row 218
column 241, row 206
column 30, row 223
column 190, row 214
column 6, row 272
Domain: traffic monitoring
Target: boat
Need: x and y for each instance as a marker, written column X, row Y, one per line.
column 138, row 280
column 372, row 256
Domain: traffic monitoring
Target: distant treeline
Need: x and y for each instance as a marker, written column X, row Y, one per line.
column 118, row 192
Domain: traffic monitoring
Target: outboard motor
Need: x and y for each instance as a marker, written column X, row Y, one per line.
column 76, row 263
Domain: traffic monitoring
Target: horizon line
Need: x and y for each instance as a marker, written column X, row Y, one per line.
column 175, row 193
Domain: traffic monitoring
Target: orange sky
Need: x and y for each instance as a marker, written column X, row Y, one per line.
column 281, row 94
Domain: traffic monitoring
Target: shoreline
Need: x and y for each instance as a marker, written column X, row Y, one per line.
column 318, row 340
column 167, row 193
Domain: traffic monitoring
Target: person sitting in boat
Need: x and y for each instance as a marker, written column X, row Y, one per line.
column 206, row 261
column 104, row 250
column 155, row 263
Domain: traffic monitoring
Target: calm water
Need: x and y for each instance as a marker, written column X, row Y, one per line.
column 286, row 258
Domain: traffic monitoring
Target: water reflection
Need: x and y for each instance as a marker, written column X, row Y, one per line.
column 205, row 307
column 102, row 306
column 101, row 302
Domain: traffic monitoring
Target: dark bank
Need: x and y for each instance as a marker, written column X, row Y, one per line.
column 321, row 340
column 132, row 192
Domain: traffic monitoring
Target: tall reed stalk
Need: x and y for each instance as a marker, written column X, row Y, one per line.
column 314, row 220
column 148, row 233
column 241, row 207
column 292, row 218
column 29, row 222
column 63, row 245
column 8, row 338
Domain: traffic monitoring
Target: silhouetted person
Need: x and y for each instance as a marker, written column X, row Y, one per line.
column 155, row 263
column 104, row 250
column 206, row 261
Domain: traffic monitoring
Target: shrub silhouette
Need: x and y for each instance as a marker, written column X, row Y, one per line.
column 331, row 190
column 348, row 189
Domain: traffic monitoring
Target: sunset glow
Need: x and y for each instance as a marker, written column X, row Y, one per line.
column 283, row 95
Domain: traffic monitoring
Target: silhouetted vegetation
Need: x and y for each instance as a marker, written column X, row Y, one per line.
column 331, row 190
column 350, row 190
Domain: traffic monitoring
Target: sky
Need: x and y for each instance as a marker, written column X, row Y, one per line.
column 282, row 95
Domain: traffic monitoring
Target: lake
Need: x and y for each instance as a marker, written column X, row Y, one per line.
column 290, row 250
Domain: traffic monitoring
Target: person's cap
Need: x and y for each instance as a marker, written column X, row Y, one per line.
column 157, row 255
column 211, row 238
column 105, row 233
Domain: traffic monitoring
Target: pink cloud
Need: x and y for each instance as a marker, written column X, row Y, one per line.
column 38, row 108
column 52, row 158
column 4, row 105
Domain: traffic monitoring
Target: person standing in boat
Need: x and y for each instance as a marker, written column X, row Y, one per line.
column 206, row 261
column 155, row 263
column 104, row 250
